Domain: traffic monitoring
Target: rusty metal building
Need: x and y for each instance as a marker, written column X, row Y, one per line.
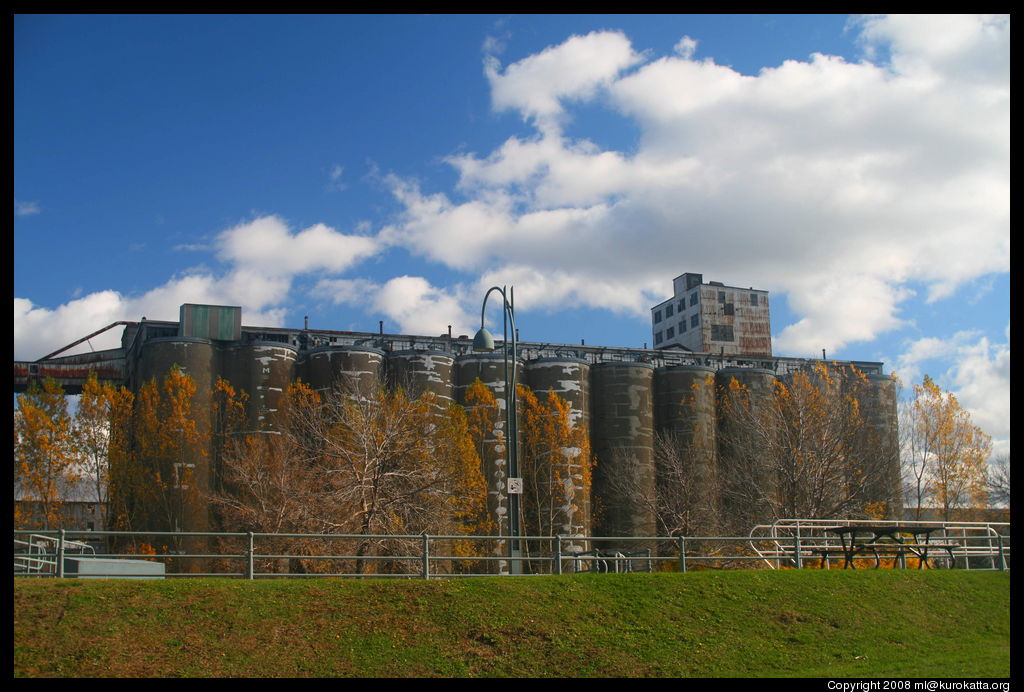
column 712, row 318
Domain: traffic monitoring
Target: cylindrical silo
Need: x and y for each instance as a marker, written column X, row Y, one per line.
column 569, row 477
column 746, row 479
column 420, row 372
column 622, row 434
column 263, row 370
column 188, row 470
column 685, row 449
column 882, row 417
column 354, row 370
column 489, row 368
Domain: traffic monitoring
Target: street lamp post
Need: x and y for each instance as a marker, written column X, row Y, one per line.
column 484, row 342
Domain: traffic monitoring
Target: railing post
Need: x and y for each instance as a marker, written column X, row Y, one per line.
column 558, row 554
column 1002, row 555
column 682, row 553
column 426, row 556
column 249, row 566
column 796, row 551
column 60, row 554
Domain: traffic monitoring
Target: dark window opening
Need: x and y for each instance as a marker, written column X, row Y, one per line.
column 722, row 332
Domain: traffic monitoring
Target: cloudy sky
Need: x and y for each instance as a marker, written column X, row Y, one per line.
column 356, row 169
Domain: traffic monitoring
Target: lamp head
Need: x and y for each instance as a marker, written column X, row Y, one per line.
column 483, row 341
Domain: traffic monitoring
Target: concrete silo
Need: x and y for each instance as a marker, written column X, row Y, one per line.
column 882, row 416
column 569, row 491
column 685, row 450
column 351, row 369
column 189, row 478
column 622, row 425
column 420, row 372
column 263, row 369
column 490, row 369
column 747, row 481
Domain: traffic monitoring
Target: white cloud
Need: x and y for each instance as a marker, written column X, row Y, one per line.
column 411, row 303
column 39, row 331
column 573, row 70
column 268, row 246
column 973, row 368
column 26, row 208
column 837, row 183
column 263, row 257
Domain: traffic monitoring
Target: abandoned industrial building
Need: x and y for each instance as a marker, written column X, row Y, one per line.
column 622, row 397
column 712, row 317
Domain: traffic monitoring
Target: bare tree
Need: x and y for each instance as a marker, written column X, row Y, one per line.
column 358, row 462
column 999, row 481
column 805, row 450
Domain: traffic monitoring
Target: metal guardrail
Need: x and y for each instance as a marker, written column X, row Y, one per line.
column 980, row 545
column 293, row 555
column 34, row 557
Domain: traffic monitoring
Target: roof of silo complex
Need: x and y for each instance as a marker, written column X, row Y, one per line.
column 137, row 333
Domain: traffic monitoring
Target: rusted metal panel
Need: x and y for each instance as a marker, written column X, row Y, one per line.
column 71, row 372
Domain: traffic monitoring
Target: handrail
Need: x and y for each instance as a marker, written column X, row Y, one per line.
column 783, row 532
column 269, row 555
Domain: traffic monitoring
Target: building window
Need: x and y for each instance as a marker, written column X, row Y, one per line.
column 670, row 332
column 730, row 309
column 668, row 310
column 657, row 316
column 657, row 338
column 682, row 326
column 753, row 299
column 693, row 298
column 721, row 332
column 682, row 305
column 694, row 321
column 721, row 296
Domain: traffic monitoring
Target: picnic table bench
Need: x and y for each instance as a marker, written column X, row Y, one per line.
column 880, row 541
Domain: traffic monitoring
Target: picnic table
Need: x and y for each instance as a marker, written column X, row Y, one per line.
column 883, row 540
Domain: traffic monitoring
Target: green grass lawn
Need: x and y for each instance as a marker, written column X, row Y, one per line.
column 835, row 623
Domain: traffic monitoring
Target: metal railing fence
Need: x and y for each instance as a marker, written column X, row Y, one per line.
column 979, row 545
column 253, row 555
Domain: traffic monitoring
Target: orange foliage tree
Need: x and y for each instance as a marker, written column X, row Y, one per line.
column 804, row 450
column 555, row 463
column 44, row 459
column 158, row 461
column 944, row 454
column 91, row 433
column 368, row 463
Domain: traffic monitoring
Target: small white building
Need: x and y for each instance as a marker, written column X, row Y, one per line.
column 713, row 318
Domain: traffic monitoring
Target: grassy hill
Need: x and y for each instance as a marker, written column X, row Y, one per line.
column 865, row 623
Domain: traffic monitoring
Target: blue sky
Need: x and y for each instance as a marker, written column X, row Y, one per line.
column 363, row 168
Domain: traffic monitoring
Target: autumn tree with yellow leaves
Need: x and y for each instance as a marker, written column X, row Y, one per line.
column 44, row 456
column 367, row 463
column 91, row 434
column 806, row 449
column 555, row 463
column 944, row 453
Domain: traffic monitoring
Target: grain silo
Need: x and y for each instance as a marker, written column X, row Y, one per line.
column 189, row 475
column 685, row 448
column 351, row 369
column 419, row 372
column 745, row 476
column 622, row 425
column 264, row 369
column 569, row 379
column 882, row 416
column 489, row 368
